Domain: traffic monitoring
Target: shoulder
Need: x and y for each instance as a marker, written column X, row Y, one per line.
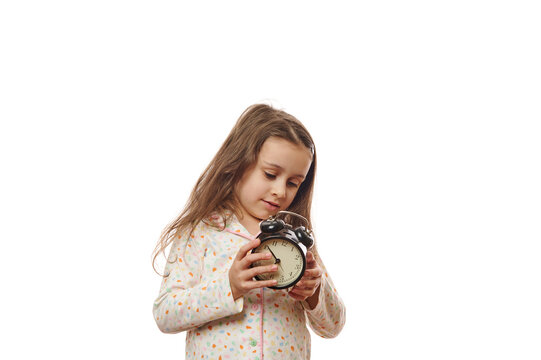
column 210, row 227
column 219, row 221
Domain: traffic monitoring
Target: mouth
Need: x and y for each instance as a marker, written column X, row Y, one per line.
column 271, row 205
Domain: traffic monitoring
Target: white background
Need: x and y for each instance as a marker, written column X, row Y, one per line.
column 426, row 121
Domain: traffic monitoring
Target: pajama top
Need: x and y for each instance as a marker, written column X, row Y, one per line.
column 264, row 323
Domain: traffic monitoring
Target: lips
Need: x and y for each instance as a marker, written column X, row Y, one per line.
column 271, row 205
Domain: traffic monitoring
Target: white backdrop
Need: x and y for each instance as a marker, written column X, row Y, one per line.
column 426, row 121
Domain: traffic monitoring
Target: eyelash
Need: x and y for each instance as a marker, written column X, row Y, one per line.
column 272, row 177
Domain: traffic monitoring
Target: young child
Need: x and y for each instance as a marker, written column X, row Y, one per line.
column 266, row 164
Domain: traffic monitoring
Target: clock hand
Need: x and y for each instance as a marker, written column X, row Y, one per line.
column 277, row 261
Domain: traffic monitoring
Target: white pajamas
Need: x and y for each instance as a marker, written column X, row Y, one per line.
column 196, row 297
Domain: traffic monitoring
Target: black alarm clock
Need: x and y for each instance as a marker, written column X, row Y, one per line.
column 287, row 246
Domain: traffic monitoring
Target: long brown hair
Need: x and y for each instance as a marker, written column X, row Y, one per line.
column 214, row 191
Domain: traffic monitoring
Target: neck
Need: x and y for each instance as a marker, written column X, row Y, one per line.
column 250, row 223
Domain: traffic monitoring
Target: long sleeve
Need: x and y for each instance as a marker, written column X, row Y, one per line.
column 187, row 298
column 264, row 323
column 329, row 316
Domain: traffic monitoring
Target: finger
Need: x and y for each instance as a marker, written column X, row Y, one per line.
column 258, row 270
column 301, row 292
column 310, row 261
column 307, row 284
column 303, row 284
column 297, row 295
column 243, row 251
column 310, row 258
column 262, row 283
column 313, row 273
column 251, row 258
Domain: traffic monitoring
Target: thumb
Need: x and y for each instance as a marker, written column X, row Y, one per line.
column 243, row 251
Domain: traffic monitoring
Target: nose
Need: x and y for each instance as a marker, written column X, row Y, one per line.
column 279, row 189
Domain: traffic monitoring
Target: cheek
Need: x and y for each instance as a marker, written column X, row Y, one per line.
column 290, row 196
column 253, row 189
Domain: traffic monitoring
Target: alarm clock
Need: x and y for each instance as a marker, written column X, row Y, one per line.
column 287, row 246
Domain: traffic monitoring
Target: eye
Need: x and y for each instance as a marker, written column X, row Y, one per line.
column 270, row 176
column 292, row 184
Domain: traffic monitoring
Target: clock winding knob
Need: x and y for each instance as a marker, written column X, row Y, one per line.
column 271, row 226
column 303, row 237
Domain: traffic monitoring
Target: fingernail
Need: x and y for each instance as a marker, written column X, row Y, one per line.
column 275, row 267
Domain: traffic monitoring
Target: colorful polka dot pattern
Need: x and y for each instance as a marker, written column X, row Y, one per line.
column 196, row 297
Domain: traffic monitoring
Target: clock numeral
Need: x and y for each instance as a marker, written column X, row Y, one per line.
column 274, row 243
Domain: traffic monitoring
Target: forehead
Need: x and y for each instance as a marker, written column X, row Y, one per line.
column 293, row 158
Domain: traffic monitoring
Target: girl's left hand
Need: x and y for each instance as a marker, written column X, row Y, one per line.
column 309, row 282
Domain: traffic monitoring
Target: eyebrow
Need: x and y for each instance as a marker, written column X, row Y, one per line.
column 281, row 168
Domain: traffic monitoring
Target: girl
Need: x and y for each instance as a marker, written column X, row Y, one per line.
column 266, row 164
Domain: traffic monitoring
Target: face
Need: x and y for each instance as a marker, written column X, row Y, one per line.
column 271, row 184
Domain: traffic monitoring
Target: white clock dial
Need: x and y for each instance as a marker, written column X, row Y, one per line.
column 287, row 256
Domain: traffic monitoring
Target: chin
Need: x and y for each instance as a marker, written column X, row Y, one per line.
column 266, row 215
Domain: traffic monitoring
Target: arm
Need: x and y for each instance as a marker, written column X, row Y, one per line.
column 328, row 316
column 187, row 299
column 324, row 309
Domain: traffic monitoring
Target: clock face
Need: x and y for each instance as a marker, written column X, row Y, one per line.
column 289, row 258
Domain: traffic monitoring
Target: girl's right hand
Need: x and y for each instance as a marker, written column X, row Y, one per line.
column 241, row 274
